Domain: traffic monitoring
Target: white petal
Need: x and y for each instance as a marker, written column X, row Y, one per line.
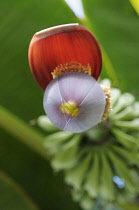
column 72, row 81
column 81, row 89
column 51, row 102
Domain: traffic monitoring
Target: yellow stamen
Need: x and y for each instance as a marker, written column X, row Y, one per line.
column 69, row 67
column 69, row 108
column 108, row 107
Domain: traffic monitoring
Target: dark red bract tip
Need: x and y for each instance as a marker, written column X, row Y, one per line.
column 63, row 44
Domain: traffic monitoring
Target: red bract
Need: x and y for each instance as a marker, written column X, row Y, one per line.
column 65, row 46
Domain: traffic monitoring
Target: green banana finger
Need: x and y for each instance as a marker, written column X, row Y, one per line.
column 77, row 194
column 87, row 202
column 55, row 141
column 44, row 122
column 125, row 139
column 116, row 93
column 128, row 113
column 92, row 181
column 123, row 172
column 77, row 175
column 131, row 156
column 68, row 155
column 106, row 182
column 129, row 125
column 124, row 100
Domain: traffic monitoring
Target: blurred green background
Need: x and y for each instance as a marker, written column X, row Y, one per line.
column 26, row 179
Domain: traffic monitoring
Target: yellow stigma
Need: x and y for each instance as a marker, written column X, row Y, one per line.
column 69, row 67
column 69, row 108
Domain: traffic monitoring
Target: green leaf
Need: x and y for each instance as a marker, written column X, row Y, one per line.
column 106, row 181
column 12, row 196
column 117, row 28
column 92, row 180
column 135, row 4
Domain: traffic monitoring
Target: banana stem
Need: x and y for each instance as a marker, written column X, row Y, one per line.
column 22, row 131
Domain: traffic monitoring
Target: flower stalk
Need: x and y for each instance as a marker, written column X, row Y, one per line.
column 23, row 132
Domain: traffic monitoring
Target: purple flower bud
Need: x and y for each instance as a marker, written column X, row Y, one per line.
column 74, row 102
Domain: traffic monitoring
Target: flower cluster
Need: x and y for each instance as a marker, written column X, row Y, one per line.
column 103, row 161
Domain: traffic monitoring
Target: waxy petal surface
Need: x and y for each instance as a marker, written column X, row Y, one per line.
column 81, row 89
column 60, row 45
